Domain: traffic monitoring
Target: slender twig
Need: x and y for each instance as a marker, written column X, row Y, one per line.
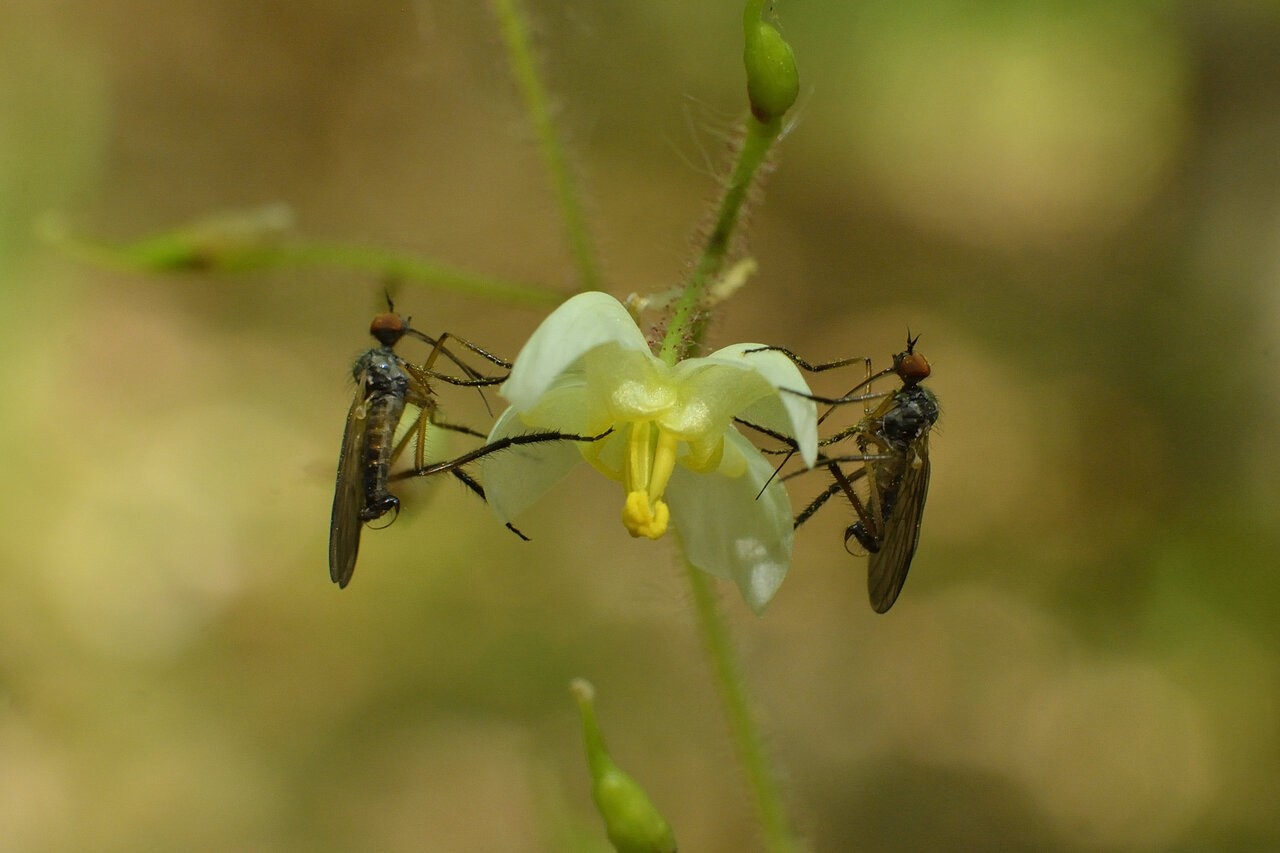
column 515, row 36
column 394, row 265
column 682, row 334
column 766, row 793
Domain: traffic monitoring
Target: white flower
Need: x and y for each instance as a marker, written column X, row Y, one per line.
column 588, row 368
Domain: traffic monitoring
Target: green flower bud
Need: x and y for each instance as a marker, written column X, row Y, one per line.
column 631, row 821
column 772, row 80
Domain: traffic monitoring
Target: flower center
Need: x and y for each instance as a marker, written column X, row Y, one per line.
column 649, row 464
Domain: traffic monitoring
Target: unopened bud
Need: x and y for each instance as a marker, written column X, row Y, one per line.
column 772, row 80
column 631, row 821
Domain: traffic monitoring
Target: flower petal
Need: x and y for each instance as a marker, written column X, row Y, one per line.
column 564, row 407
column 581, row 324
column 628, row 385
column 711, row 393
column 515, row 478
column 568, row 406
column 726, row 531
column 787, row 413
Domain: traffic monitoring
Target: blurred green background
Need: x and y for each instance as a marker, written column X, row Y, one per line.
column 1076, row 203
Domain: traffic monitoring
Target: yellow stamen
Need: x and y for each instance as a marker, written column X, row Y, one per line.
column 638, row 458
column 664, row 462
column 641, row 519
column 648, row 471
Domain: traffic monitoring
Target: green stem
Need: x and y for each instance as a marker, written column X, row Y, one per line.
column 180, row 252
column 515, row 36
column 765, row 791
column 397, row 266
column 683, row 333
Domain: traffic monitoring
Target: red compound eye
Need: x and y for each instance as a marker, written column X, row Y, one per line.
column 388, row 328
column 911, row 367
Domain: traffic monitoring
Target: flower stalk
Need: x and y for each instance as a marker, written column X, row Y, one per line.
column 537, row 104
column 772, row 87
column 766, row 793
column 241, row 241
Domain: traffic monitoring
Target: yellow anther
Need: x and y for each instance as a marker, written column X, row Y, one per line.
column 642, row 519
column 648, row 470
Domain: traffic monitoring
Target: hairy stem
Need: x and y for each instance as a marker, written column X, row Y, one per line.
column 515, row 36
column 765, row 792
column 684, row 332
column 397, row 266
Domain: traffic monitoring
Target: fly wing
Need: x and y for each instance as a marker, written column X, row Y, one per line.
column 348, row 496
column 887, row 568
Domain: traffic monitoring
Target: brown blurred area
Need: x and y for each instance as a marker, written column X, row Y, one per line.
column 1077, row 205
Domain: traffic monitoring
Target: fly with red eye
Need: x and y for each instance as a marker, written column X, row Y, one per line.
column 891, row 464
column 385, row 384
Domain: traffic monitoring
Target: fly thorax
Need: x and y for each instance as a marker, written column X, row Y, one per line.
column 380, row 372
column 915, row 413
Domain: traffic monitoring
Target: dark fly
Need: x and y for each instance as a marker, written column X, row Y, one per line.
column 895, row 442
column 892, row 464
column 893, row 449
column 385, row 385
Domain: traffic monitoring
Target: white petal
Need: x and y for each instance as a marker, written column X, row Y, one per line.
column 564, row 407
column 711, row 393
column 726, row 531
column 578, row 326
column 629, row 385
column 515, row 478
column 788, row 413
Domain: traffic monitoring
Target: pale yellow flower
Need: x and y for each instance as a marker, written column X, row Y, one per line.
column 674, row 446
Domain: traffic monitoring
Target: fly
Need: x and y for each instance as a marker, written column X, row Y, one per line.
column 385, row 384
column 893, row 443
column 893, row 452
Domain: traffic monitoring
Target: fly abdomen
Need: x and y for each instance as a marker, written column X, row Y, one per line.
column 383, row 411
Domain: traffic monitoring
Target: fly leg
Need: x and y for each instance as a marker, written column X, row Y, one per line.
column 474, row 485
column 494, row 447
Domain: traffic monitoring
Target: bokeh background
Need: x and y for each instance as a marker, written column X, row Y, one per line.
column 1076, row 203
